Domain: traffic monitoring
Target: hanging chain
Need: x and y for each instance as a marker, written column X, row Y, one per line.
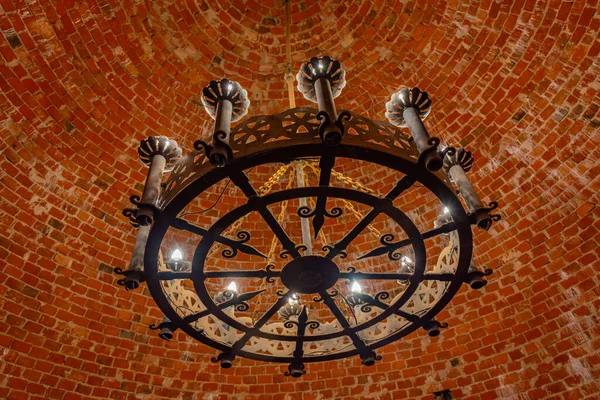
column 264, row 189
column 271, row 253
column 355, row 185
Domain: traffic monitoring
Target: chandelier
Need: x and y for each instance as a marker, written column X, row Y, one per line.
column 295, row 305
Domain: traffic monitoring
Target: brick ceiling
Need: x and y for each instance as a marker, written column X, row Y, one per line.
column 83, row 81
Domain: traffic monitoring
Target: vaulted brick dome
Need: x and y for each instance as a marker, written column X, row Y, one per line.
column 84, row 81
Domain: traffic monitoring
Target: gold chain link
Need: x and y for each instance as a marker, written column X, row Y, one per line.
column 355, row 185
column 264, row 189
column 271, row 254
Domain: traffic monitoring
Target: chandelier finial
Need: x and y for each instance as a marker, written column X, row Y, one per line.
column 321, row 80
column 407, row 98
column 406, row 108
column 321, row 68
column 456, row 163
column 159, row 145
column 226, row 102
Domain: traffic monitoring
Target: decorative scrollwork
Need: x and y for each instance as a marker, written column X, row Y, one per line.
column 366, row 308
column 135, row 200
column 382, row 296
column 329, row 249
column 290, row 324
column 243, row 306
column 167, row 328
column 306, row 212
column 132, row 279
column 286, row 253
column 313, row 324
column 233, row 251
column 482, row 217
column 295, row 370
column 280, row 292
column 318, row 299
column 131, row 213
column 226, row 359
column 369, row 358
column 269, row 268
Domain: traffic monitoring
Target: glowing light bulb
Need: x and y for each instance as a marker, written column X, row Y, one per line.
column 320, row 66
column 177, row 255
column 356, row 287
column 406, row 259
column 232, row 287
column 293, row 300
column 230, row 86
column 446, row 211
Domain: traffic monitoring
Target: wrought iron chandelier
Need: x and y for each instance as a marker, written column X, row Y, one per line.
column 305, row 306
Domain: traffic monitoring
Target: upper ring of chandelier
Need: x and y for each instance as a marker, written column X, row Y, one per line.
column 303, row 306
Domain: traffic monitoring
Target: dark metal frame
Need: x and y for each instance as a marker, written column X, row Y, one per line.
column 283, row 151
column 280, row 138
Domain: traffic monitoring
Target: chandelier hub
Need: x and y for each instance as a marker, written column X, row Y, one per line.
column 310, row 274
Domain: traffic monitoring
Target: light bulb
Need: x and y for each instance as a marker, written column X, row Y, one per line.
column 356, row 287
column 406, row 259
column 293, row 300
column 229, row 87
column 320, row 66
column 177, row 255
column 232, row 287
column 446, row 211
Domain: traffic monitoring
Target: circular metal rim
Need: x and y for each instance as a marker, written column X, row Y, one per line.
column 394, row 213
column 360, row 151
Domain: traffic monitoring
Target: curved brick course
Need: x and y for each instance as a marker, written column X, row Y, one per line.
column 83, row 81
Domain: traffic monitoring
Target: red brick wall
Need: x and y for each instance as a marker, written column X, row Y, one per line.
column 83, row 81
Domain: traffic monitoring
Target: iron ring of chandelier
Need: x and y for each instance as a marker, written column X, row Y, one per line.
column 306, row 133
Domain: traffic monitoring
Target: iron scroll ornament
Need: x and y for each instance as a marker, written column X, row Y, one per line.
column 193, row 176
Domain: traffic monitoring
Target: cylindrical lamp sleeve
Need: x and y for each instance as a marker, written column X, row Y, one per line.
column 417, row 129
column 223, row 120
column 325, row 97
column 465, row 188
column 151, row 190
column 220, row 152
column 137, row 258
column 153, row 180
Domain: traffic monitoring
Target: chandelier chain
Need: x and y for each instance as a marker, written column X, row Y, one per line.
column 264, row 189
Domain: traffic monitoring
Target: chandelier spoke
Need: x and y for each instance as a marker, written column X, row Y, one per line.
column 402, row 185
column 320, row 211
column 374, row 301
column 390, row 247
column 260, row 273
column 172, row 275
column 259, row 324
column 240, row 179
column 236, row 300
column 357, row 276
column 235, row 245
column 335, row 310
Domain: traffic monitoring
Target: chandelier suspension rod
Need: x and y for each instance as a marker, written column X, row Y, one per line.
column 289, row 77
column 306, row 237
